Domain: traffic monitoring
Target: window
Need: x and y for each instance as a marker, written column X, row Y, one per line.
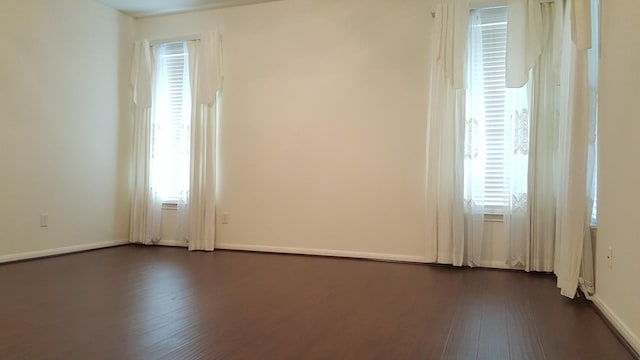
column 497, row 126
column 171, row 119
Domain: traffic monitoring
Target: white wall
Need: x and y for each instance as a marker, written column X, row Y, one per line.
column 322, row 133
column 323, row 122
column 63, row 148
column 619, row 192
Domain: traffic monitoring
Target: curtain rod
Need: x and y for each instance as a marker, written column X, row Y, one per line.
column 476, row 4
column 174, row 39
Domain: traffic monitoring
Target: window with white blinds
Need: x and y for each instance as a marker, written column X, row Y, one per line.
column 171, row 114
column 490, row 109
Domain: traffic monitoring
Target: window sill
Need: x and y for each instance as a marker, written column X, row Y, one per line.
column 488, row 218
column 169, row 205
column 493, row 218
column 500, row 218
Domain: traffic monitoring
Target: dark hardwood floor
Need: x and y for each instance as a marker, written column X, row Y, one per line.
column 135, row 302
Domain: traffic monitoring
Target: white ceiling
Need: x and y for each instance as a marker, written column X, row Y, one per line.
column 139, row 8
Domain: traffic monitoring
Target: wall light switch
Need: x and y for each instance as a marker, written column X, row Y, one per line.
column 225, row 218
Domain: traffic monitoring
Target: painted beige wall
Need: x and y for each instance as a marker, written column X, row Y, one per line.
column 322, row 133
column 323, row 121
column 619, row 192
column 62, row 146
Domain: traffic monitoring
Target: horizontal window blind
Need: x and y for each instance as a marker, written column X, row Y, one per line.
column 172, row 109
column 489, row 61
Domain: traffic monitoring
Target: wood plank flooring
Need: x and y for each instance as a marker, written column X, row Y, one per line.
column 135, row 302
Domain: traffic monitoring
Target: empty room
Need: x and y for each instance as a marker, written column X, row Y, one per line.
column 319, row 179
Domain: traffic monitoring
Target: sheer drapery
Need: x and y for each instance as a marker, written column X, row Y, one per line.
column 145, row 206
column 445, row 135
column 532, row 62
column 550, row 41
column 195, row 155
column 587, row 272
column 548, row 142
column 171, row 129
column 575, row 196
column 475, row 154
column 538, row 249
column 521, row 52
column 516, row 223
column 496, row 137
column 206, row 81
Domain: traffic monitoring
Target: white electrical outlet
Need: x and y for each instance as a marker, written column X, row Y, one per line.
column 610, row 257
column 44, row 220
column 225, row 218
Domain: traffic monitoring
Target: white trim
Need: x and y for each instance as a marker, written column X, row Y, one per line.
column 171, row 243
column 211, row 5
column 498, row 265
column 625, row 332
column 481, row 4
column 322, row 252
column 59, row 251
column 349, row 254
column 183, row 38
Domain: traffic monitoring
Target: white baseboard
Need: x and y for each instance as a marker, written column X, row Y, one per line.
column 625, row 332
column 322, row 252
column 59, row 251
column 175, row 243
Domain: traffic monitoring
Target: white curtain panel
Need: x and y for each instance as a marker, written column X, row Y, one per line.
column 531, row 61
column 516, row 224
column 575, row 197
column 496, row 137
column 524, row 43
column 474, row 153
column 445, row 135
column 538, row 250
column 196, row 196
column 145, row 210
column 549, row 40
column 548, row 139
column 183, row 200
column 587, row 273
column 206, row 80
column 524, row 40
